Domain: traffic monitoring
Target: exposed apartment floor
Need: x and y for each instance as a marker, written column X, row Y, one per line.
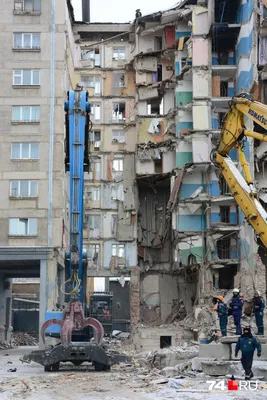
column 29, row 381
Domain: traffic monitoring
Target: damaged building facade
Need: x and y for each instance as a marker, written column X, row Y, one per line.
column 98, row 60
column 193, row 241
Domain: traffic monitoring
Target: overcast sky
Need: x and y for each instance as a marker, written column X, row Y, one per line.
column 120, row 10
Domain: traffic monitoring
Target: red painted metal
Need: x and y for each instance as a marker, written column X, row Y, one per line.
column 169, row 35
column 74, row 320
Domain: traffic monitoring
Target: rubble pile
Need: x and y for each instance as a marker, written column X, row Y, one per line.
column 23, row 339
column 167, row 357
column 4, row 346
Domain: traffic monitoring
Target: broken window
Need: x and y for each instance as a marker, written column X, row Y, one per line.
column 158, row 43
column 118, row 250
column 96, row 111
column 117, row 192
column 224, row 188
column 223, row 248
column 92, row 222
column 118, row 80
column 224, row 89
column 158, row 166
column 91, row 54
column 118, row 136
column 118, row 112
column 95, row 137
column 225, row 214
column 94, row 253
column 155, row 106
column 117, row 165
column 191, row 259
column 91, row 81
column 114, row 224
column 118, row 53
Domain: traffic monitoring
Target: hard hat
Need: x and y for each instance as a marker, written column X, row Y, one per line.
column 257, row 292
column 236, row 290
column 220, row 298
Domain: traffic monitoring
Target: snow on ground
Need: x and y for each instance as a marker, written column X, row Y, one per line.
column 30, row 382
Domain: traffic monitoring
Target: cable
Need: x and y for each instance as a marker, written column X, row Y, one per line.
column 76, row 282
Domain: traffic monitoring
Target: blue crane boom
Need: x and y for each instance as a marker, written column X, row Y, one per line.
column 77, row 109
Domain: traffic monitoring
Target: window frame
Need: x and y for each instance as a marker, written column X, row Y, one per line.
column 120, row 165
column 20, row 75
column 23, row 47
column 23, row 10
column 93, row 105
column 96, row 190
column 25, row 121
column 121, row 54
column 118, row 247
column 116, row 115
column 30, row 181
column 116, row 134
column 28, row 225
column 30, row 150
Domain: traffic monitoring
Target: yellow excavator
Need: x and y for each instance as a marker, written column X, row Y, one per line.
column 233, row 134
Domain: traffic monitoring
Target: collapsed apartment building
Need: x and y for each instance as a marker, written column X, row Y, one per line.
column 156, row 208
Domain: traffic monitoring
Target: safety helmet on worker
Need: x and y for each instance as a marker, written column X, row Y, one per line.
column 236, row 290
column 220, row 298
column 257, row 293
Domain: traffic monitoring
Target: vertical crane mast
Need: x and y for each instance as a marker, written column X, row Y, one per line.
column 77, row 110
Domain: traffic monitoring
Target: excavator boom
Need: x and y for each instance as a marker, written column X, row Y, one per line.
column 233, row 134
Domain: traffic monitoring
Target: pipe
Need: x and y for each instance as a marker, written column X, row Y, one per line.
column 86, row 10
column 51, row 126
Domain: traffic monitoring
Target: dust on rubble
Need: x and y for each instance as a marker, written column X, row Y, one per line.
column 23, row 339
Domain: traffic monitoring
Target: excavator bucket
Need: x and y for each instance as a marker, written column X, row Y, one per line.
column 49, row 322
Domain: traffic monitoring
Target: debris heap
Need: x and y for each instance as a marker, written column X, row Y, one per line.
column 23, row 339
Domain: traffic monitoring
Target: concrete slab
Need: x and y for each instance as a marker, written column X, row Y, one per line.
column 220, row 368
column 196, row 362
column 234, row 339
column 218, row 351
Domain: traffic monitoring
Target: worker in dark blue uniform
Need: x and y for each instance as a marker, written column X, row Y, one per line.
column 247, row 344
column 222, row 314
column 236, row 305
column 258, row 310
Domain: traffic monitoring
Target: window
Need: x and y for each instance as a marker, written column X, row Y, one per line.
column 95, row 137
column 118, row 250
column 92, row 222
column 117, row 165
column 118, row 80
column 118, row 53
column 26, row 114
column 27, row 5
column 91, row 54
column 96, row 111
column 27, row 41
column 91, row 81
column 158, row 166
column 117, row 192
column 155, row 107
column 94, row 253
column 23, row 226
column 114, row 224
column 96, row 170
column 26, row 77
column 223, row 248
column 225, row 214
column 118, row 136
column 23, row 188
column 96, row 194
column 118, row 112
column 224, row 188
column 25, row 151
